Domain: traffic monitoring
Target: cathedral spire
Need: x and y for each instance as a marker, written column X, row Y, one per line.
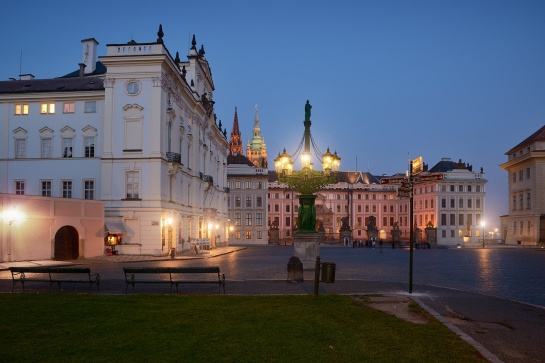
column 235, row 142
column 256, row 150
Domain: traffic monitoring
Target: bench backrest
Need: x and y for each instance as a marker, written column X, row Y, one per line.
column 50, row 270
column 71, row 270
column 29, row 269
column 166, row 270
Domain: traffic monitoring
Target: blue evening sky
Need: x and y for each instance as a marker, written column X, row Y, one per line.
column 459, row 79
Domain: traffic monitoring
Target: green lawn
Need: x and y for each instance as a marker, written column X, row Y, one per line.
column 214, row 328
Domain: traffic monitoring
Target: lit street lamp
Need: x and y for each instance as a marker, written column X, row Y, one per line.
column 306, row 183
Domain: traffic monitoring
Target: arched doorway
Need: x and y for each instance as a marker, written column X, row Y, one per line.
column 66, row 244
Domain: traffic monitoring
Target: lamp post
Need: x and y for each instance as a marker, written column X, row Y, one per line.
column 306, row 182
column 483, row 223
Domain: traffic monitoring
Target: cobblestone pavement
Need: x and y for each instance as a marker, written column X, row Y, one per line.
column 492, row 297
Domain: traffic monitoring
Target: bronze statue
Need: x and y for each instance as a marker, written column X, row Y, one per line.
column 307, row 111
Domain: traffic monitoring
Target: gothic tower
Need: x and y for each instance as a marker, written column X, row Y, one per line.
column 256, row 150
column 235, row 142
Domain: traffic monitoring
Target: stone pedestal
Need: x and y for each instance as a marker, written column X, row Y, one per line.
column 306, row 247
column 274, row 236
column 396, row 235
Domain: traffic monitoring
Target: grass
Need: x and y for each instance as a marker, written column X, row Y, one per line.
column 208, row 328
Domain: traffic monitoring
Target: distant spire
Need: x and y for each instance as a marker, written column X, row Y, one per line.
column 235, row 142
column 160, row 34
column 177, row 59
column 201, row 51
column 256, row 150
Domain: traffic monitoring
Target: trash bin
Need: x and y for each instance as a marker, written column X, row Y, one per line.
column 328, row 272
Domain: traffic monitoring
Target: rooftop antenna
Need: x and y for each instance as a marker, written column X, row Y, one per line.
column 21, row 63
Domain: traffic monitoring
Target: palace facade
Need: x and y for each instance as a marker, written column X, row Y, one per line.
column 134, row 128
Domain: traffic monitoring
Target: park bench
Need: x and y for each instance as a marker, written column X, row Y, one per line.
column 149, row 275
column 54, row 275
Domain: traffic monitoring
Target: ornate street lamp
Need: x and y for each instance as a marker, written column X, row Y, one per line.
column 306, row 182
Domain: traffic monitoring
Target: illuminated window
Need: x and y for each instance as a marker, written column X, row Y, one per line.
column 21, row 109
column 248, row 235
column 47, row 108
column 237, row 234
column 68, row 107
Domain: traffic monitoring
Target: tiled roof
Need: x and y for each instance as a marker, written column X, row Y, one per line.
column 99, row 69
column 539, row 135
column 52, row 85
column 238, row 159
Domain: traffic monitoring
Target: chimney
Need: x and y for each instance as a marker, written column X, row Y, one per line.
column 81, row 69
column 26, row 77
column 89, row 54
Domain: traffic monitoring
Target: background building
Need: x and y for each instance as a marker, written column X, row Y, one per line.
column 247, row 190
column 525, row 223
column 135, row 129
column 452, row 204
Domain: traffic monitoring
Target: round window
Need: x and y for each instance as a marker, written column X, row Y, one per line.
column 133, row 88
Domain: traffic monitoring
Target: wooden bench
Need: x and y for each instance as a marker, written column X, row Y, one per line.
column 53, row 275
column 135, row 275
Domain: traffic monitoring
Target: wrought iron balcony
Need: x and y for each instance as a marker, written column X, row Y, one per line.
column 174, row 158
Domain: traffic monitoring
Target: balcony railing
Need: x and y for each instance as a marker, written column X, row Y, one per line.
column 174, row 158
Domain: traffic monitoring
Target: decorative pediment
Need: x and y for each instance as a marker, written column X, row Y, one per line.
column 67, row 131
column 134, row 105
column 46, row 131
column 20, row 131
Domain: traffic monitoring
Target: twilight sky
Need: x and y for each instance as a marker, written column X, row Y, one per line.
column 386, row 79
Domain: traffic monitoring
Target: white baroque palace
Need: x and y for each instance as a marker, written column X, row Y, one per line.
column 135, row 129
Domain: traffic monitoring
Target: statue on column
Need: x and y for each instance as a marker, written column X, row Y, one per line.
column 307, row 111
